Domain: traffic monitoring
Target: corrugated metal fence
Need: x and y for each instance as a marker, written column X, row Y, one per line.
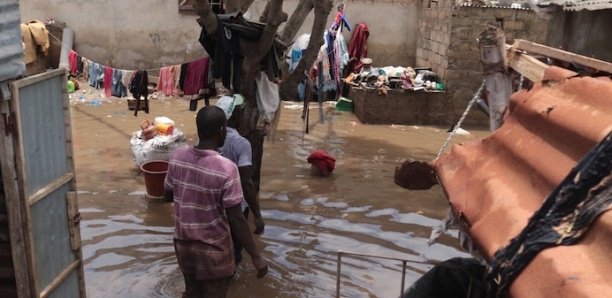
column 11, row 48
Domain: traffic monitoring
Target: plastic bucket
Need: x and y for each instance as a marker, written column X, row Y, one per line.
column 154, row 176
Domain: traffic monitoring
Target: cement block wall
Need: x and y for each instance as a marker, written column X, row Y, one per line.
column 582, row 32
column 392, row 25
column 152, row 33
column 448, row 44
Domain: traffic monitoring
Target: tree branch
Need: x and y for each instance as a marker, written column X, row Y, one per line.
column 231, row 6
column 264, row 15
column 244, row 6
column 276, row 17
column 296, row 20
column 322, row 9
column 207, row 17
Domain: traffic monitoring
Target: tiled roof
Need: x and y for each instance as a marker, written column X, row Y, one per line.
column 496, row 184
column 575, row 5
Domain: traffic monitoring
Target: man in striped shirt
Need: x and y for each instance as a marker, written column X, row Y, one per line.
column 207, row 195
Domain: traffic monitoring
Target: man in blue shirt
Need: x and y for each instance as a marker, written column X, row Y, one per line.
column 238, row 149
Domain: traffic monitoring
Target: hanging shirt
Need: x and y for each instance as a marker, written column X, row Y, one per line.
column 166, row 81
column 117, row 88
column 197, row 76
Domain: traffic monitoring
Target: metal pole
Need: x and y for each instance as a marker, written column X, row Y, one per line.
column 339, row 267
column 403, row 277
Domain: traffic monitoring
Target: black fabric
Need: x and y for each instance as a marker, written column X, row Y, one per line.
column 457, row 277
column 563, row 219
column 223, row 48
column 79, row 64
column 183, row 75
column 139, row 87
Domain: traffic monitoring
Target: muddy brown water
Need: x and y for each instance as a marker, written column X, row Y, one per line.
column 127, row 238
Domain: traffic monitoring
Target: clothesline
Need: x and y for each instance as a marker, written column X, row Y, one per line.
column 151, row 69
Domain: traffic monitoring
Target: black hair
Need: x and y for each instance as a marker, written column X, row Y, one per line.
column 209, row 121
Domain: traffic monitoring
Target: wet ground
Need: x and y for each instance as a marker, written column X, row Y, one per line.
column 127, row 238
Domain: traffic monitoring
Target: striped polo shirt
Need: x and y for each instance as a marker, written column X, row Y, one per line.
column 204, row 184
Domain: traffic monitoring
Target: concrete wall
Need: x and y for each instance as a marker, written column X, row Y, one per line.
column 585, row 32
column 447, row 43
column 392, row 25
column 151, row 33
column 124, row 34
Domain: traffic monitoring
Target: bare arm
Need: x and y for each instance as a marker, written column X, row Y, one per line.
column 240, row 228
column 250, row 195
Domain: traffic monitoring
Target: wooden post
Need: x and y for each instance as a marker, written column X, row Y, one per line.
column 13, row 205
column 499, row 87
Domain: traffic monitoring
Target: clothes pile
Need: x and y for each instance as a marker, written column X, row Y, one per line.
column 392, row 77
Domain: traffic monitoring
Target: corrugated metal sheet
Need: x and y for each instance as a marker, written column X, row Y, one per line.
column 11, row 48
column 493, row 6
column 576, row 5
column 496, row 184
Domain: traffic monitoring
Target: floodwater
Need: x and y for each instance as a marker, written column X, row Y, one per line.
column 127, row 238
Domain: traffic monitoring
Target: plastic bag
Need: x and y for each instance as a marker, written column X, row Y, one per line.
column 158, row 148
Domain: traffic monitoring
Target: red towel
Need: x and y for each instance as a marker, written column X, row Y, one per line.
column 72, row 62
column 322, row 160
column 108, row 81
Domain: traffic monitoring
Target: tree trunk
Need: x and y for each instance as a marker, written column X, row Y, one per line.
column 254, row 52
column 288, row 87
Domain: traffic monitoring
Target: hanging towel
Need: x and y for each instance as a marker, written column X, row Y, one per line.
column 268, row 98
column 108, row 81
column 72, row 62
column 197, row 76
column 166, row 81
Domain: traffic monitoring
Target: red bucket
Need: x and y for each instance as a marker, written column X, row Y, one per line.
column 154, row 176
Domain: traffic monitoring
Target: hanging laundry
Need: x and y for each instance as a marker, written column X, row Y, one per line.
column 177, row 78
column 108, row 81
column 223, row 47
column 167, row 80
column 139, row 87
column 197, row 76
column 358, row 48
column 36, row 39
column 126, row 78
column 268, row 98
column 184, row 68
column 340, row 21
column 117, row 88
column 228, row 58
column 72, row 62
column 96, row 74
column 79, row 64
column 85, row 69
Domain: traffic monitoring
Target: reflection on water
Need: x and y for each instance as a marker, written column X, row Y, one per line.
column 127, row 239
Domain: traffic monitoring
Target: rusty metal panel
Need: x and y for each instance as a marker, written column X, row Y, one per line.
column 11, row 49
column 495, row 185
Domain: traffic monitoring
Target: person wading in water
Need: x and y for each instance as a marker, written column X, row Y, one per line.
column 207, row 194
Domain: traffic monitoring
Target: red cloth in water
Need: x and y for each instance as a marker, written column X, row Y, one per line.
column 358, row 48
column 323, row 160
